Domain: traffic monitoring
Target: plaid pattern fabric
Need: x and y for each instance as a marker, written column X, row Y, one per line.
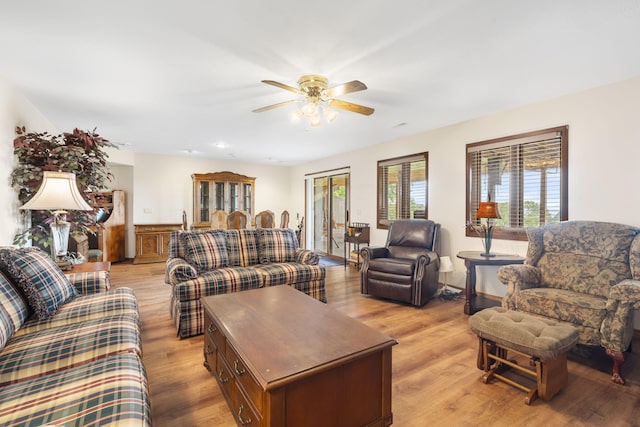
column 106, row 392
column 13, row 310
column 178, row 270
column 219, row 281
column 304, row 256
column 242, row 247
column 47, row 351
column 87, row 307
column 188, row 316
column 90, row 282
column 205, row 250
column 42, row 281
column 314, row 288
column 175, row 245
column 277, row 245
column 289, row 273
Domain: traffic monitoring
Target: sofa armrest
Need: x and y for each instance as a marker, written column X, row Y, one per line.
column 92, row 282
column 178, row 270
column 305, row 256
column 627, row 290
column 518, row 277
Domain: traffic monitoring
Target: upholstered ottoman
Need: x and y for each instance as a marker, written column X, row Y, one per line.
column 544, row 341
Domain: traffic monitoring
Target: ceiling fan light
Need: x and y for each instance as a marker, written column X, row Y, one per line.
column 330, row 114
column 315, row 121
column 296, row 115
column 309, row 109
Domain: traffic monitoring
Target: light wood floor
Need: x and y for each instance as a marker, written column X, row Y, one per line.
column 435, row 379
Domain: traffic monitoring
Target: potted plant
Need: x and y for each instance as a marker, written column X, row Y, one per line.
column 80, row 152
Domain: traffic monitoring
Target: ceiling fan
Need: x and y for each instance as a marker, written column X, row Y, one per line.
column 319, row 98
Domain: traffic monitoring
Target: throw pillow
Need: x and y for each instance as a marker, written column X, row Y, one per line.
column 205, row 250
column 13, row 310
column 44, row 284
column 277, row 245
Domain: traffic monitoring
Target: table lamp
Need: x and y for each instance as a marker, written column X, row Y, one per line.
column 59, row 193
column 489, row 211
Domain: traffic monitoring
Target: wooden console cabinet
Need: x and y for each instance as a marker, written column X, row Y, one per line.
column 284, row 359
column 152, row 242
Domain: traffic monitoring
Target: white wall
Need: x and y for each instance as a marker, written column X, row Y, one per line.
column 604, row 148
column 15, row 110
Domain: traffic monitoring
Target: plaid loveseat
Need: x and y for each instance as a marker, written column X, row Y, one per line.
column 583, row 273
column 211, row 262
column 70, row 349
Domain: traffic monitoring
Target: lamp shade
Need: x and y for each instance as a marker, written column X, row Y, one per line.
column 58, row 191
column 488, row 210
column 446, row 266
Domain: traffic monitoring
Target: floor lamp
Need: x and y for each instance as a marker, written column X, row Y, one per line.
column 59, row 193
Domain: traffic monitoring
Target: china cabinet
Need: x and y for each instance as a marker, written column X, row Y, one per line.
column 226, row 191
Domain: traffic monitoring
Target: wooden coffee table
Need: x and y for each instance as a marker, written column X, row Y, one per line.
column 282, row 358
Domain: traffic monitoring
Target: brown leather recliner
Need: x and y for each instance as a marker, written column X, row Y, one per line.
column 406, row 269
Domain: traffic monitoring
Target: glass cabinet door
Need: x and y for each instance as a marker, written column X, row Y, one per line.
column 204, row 194
column 247, row 197
column 219, row 196
column 233, row 196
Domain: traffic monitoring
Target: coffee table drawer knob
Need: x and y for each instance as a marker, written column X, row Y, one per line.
column 211, row 328
column 245, row 421
column 239, row 371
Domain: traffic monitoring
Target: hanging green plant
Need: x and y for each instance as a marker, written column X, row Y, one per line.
column 80, row 152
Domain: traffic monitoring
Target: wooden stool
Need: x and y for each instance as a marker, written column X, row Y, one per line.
column 545, row 342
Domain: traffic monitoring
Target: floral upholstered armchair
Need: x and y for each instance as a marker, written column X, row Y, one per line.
column 584, row 273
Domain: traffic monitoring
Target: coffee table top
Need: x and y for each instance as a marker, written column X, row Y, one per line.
column 281, row 333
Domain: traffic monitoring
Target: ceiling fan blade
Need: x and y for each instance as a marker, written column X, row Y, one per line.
column 360, row 109
column 338, row 90
column 279, row 104
column 283, row 86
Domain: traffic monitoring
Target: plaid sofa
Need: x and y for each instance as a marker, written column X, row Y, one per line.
column 211, row 262
column 70, row 349
column 583, row 273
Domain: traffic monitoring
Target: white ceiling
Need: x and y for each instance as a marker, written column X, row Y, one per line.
column 169, row 76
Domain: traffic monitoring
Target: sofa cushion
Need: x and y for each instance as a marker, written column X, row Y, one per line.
column 218, row 281
column 205, row 250
column 400, row 266
column 87, row 307
column 13, row 310
column 564, row 305
column 277, row 245
column 43, row 352
column 90, row 282
column 242, row 246
column 289, row 273
column 39, row 277
column 110, row 391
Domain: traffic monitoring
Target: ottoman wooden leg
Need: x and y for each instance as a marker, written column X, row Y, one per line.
column 552, row 376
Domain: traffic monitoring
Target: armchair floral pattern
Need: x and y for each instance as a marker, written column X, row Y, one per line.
column 583, row 273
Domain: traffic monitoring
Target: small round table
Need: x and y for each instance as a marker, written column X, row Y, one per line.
column 472, row 259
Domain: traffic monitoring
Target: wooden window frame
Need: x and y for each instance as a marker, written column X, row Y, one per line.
column 405, row 196
column 516, row 187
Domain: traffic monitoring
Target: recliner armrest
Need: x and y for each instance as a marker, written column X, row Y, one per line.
column 372, row 252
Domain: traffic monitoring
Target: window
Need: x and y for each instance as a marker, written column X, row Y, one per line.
column 525, row 174
column 402, row 188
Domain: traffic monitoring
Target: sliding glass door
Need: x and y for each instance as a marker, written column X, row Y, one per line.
column 329, row 217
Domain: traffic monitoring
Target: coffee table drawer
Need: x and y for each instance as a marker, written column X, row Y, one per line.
column 212, row 330
column 225, row 378
column 244, row 378
column 244, row 414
